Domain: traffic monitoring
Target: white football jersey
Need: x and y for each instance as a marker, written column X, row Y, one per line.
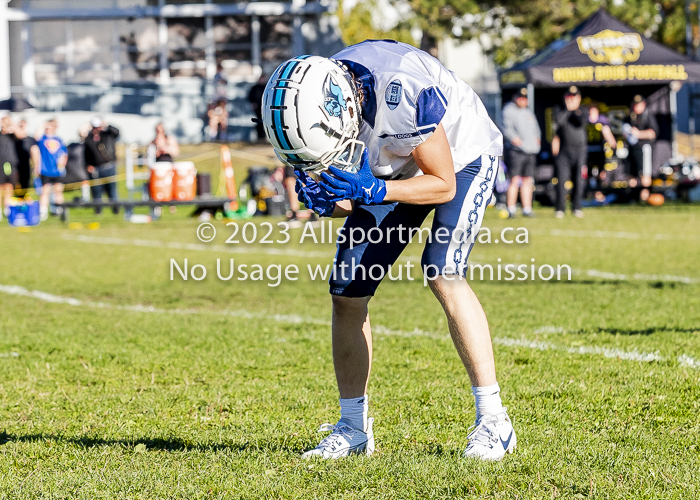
column 408, row 93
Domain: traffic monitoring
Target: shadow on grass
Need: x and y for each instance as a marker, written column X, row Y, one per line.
column 152, row 444
column 639, row 331
column 437, row 450
column 583, row 281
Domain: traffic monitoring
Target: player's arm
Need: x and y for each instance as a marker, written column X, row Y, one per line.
column 343, row 208
column 609, row 137
column 62, row 161
column 174, row 146
column 438, row 185
column 35, row 155
column 644, row 135
column 556, row 144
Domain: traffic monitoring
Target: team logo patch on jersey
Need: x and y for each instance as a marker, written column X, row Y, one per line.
column 333, row 99
column 392, row 96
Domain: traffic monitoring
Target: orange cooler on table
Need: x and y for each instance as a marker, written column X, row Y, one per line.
column 161, row 184
column 184, row 181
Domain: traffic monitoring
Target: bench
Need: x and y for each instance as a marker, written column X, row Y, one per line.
column 129, row 205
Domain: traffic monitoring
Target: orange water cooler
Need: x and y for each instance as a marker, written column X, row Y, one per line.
column 161, row 183
column 184, row 181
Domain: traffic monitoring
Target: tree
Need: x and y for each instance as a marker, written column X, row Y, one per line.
column 360, row 24
column 539, row 22
column 510, row 30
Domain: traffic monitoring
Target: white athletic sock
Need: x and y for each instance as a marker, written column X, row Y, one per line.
column 511, row 209
column 488, row 400
column 353, row 412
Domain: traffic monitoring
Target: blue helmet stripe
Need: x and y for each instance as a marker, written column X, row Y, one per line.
column 278, row 102
column 288, row 70
column 278, row 124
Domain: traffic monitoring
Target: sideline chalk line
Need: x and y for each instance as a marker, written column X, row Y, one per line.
column 633, row 355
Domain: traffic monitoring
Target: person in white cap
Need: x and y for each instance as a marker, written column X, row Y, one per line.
column 101, row 159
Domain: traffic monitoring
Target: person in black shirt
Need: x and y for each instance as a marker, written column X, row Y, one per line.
column 101, row 159
column 570, row 150
column 28, row 154
column 76, row 170
column 643, row 129
column 8, row 162
column 255, row 98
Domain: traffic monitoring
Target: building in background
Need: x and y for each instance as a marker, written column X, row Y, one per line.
column 153, row 57
column 86, row 41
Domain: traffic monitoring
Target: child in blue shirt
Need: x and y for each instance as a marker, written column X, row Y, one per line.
column 53, row 166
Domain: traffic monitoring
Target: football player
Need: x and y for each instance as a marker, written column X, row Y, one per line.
column 395, row 136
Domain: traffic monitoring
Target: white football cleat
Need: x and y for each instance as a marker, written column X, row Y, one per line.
column 493, row 436
column 343, row 441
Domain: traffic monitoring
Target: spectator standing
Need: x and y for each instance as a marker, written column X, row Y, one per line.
column 523, row 140
column 601, row 124
column 600, row 134
column 9, row 176
column 218, row 120
column 167, row 148
column 220, row 84
column 28, row 154
column 643, row 129
column 76, row 171
column 255, row 97
column 570, row 150
column 101, row 160
column 54, row 156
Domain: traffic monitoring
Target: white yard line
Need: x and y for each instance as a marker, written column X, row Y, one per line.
column 550, row 329
column 633, row 355
column 241, row 313
column 608, row 352
column 687, row 361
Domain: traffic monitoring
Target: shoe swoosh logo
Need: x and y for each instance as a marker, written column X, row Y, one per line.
column 507, row 442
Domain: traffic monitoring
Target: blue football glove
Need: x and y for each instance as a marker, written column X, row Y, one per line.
column 310, row 194
column 361, row 186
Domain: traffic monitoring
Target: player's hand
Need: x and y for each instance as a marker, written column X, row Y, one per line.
column 310, row 194
column 361, row 186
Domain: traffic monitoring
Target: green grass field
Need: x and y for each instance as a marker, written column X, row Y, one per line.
column 116, row 382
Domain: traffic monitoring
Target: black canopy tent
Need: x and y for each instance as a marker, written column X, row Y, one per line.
column 610, row 62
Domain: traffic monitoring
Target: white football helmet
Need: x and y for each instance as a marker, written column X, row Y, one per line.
column 312, row 113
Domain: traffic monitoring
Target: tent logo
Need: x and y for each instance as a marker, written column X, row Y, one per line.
column 612, row 47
